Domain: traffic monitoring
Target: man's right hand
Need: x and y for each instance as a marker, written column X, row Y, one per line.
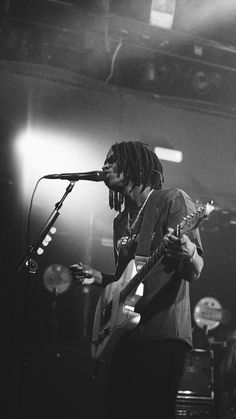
column 84, row 274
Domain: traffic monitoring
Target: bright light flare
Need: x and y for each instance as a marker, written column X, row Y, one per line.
column 43, row 151
column 212, row 12
column 162, row 13
column 169, row 154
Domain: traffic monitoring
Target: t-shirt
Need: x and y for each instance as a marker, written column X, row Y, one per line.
column 165, row 305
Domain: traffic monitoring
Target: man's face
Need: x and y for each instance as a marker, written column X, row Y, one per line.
column 112, row 180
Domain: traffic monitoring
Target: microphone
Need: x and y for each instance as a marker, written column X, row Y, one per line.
column 95, row 176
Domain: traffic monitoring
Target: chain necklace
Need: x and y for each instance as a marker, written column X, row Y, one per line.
column 131, row 225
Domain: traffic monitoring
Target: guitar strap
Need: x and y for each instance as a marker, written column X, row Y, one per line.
column 145, row 235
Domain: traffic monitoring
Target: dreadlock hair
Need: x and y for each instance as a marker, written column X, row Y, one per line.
column 139, row 164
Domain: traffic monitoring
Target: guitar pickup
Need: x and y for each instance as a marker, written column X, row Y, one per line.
column 101, row 335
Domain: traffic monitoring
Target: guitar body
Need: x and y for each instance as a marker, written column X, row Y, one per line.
column 113, row 318
column 115, row 308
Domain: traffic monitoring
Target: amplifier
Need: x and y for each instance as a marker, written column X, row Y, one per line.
column 198, row 377
column 193, row 411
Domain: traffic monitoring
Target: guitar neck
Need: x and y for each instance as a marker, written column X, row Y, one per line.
column 188, row 223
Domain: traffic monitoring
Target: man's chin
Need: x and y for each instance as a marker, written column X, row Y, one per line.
column 113, row 185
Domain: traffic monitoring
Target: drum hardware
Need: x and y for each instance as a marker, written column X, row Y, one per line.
column 194, row 410
column 199, row 363
column 227, row 379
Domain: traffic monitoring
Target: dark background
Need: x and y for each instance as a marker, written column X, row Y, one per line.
column 92, row 73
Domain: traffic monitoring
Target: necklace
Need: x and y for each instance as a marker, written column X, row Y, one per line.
column 131, row 225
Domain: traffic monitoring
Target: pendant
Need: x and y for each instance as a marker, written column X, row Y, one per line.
column 129, row 226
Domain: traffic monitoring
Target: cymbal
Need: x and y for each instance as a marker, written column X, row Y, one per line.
column 57, row 278
column 209, row 313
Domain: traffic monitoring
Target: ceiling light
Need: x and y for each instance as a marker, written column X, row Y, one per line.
column 169, row 154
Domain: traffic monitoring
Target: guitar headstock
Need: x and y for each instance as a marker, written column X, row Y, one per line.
column 192, row 221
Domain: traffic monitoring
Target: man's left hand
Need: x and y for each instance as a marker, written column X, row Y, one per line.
column 178, row 247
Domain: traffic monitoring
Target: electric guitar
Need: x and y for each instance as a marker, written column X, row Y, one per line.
column 114, row 314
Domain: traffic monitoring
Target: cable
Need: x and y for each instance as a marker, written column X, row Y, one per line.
column 29, row 213
column 113, row 60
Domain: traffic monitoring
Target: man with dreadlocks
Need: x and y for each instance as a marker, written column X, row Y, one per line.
column 147, row 362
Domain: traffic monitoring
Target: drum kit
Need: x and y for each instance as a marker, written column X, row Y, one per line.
column 208, row 315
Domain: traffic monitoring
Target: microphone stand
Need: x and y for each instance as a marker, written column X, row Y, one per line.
column 45, row 230
column 32, row 267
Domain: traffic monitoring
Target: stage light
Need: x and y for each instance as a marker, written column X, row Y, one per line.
column 151, row 71
column 106, row 242
column 201, row 83
column 206, row 83
column 169, row 154
column 162, row 13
